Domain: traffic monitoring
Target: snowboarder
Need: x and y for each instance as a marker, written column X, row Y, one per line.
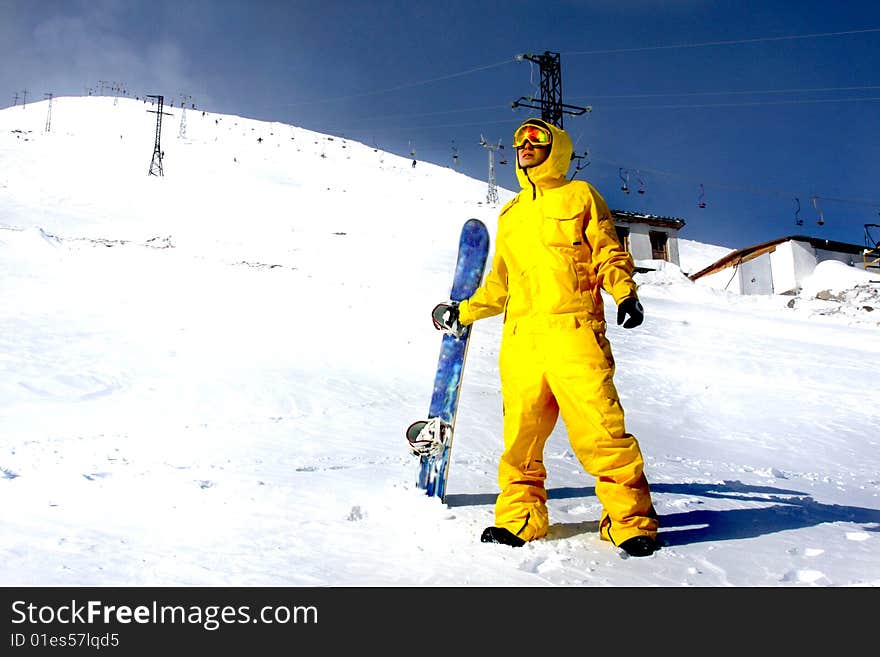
column 556, row 249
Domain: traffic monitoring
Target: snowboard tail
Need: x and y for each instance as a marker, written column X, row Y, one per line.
column 431, row 439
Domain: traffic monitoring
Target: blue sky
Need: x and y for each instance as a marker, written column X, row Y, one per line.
column 754, row 108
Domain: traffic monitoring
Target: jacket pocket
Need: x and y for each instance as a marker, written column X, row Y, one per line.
column 563, row 231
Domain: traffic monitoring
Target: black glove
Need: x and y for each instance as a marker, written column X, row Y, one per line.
column 630, row 306
column 445, row 318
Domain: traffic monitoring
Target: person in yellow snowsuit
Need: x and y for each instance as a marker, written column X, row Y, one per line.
column 556, row 249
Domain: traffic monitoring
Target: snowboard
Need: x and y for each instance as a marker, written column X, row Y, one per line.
column 431, row 439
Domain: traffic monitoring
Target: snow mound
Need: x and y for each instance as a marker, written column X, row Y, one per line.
column 838, row 290
column 666, row 273
column 831, row 277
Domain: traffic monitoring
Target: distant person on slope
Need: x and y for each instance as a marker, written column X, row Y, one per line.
column 556, row 249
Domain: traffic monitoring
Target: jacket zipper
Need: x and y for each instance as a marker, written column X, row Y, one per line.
column 534, row 189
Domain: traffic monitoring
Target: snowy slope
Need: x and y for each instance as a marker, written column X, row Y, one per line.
column 206, row 378
column 694, row 256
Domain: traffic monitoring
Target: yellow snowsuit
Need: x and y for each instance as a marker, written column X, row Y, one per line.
column 556, row 246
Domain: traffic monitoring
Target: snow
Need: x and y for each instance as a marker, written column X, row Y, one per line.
column 694, row 256
column 207, row 376
column 834, row 276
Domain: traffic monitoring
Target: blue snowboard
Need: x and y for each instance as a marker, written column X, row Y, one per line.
column 434, row 436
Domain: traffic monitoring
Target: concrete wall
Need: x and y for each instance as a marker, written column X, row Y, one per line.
column 639, row 242
column 791, row 262
column 727, row 279
column 804, row 260
column 756, row 275
column 673, row 249
column 851, row 259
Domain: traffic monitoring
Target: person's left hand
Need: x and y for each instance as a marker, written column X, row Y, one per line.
column 632, row 307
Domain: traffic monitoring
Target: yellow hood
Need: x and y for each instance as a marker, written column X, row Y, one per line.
column 551, row 172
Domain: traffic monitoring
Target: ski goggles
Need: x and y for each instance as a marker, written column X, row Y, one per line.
column 536, row 135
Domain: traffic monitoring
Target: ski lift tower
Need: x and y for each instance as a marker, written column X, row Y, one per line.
column 551, row 105
column 181, row 133
column 492, row 194
column 156, row 162
column 49, row 113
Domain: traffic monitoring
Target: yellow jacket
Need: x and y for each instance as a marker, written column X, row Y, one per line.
column 555, row 247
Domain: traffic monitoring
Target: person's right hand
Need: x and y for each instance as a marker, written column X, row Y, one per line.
column 445, row 318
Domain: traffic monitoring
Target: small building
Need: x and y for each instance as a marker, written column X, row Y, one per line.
column 777, row 266
column 648, row 238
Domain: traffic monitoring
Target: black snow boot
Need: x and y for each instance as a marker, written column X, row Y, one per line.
column 501, row 535
column 639, row 546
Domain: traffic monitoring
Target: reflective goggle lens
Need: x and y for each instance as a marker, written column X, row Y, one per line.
column 535, row 134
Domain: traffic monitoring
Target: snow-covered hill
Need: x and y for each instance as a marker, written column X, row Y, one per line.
column 694, row 256
column 206, row 378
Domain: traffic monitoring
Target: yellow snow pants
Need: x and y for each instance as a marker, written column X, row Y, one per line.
column 569, row 368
